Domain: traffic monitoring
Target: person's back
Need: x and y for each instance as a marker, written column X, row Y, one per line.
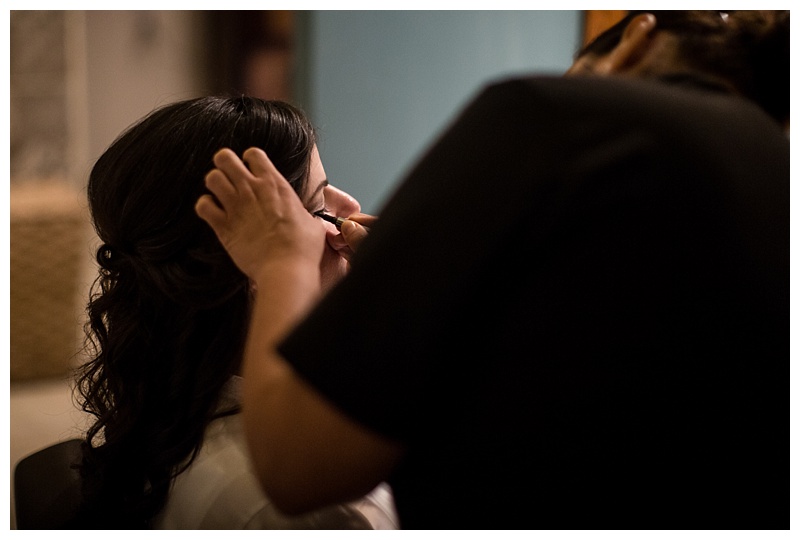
column 571, row 314
column 609, row 337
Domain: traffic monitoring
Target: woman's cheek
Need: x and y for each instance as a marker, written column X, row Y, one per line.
column 333, row 267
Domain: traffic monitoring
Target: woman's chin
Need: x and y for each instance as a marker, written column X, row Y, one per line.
column 332, row 272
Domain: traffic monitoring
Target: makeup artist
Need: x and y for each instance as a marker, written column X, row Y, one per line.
column 573, row 313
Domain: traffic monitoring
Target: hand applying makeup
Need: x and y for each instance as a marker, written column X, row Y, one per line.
column 280, row 245
column 353, row 231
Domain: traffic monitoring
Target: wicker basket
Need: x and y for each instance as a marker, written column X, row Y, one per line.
column 48, row 248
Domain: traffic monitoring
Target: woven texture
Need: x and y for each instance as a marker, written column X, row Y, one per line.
column 47, row 248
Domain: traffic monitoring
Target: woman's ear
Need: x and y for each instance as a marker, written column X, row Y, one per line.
column 635, row 41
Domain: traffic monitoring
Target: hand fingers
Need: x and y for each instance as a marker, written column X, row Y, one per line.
column 253, row 174
column 364, row 219
column 233, row 169
column 210, row 212
column 222, row 188
column 268, row 176
column 353, row 233
column 261, row 166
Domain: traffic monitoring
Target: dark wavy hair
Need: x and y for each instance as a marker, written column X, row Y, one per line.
column 748, row 49
column 169, row 310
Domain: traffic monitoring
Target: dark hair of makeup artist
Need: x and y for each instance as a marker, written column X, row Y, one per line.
column 168, row 313
column 747, row 49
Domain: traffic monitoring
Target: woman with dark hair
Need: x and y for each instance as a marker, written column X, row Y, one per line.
column 168, row 318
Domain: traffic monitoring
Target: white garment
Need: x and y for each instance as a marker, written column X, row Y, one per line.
column 219, row 491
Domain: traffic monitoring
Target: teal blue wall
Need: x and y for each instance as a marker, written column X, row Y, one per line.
column 380, row 85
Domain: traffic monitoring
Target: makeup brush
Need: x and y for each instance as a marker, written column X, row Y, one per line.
column 331, row 219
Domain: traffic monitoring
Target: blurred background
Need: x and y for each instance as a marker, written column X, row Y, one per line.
column 379, row 86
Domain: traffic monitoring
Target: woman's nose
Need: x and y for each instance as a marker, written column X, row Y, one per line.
column 340, row 203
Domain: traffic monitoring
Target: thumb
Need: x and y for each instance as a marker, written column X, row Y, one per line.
column 353, row 233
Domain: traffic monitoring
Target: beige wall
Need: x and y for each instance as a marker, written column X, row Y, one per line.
column 77, row 80
column 136, row 61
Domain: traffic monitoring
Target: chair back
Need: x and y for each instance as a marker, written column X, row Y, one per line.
column 47, row 487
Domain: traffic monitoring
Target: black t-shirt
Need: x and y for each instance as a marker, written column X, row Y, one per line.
column 574, row 314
